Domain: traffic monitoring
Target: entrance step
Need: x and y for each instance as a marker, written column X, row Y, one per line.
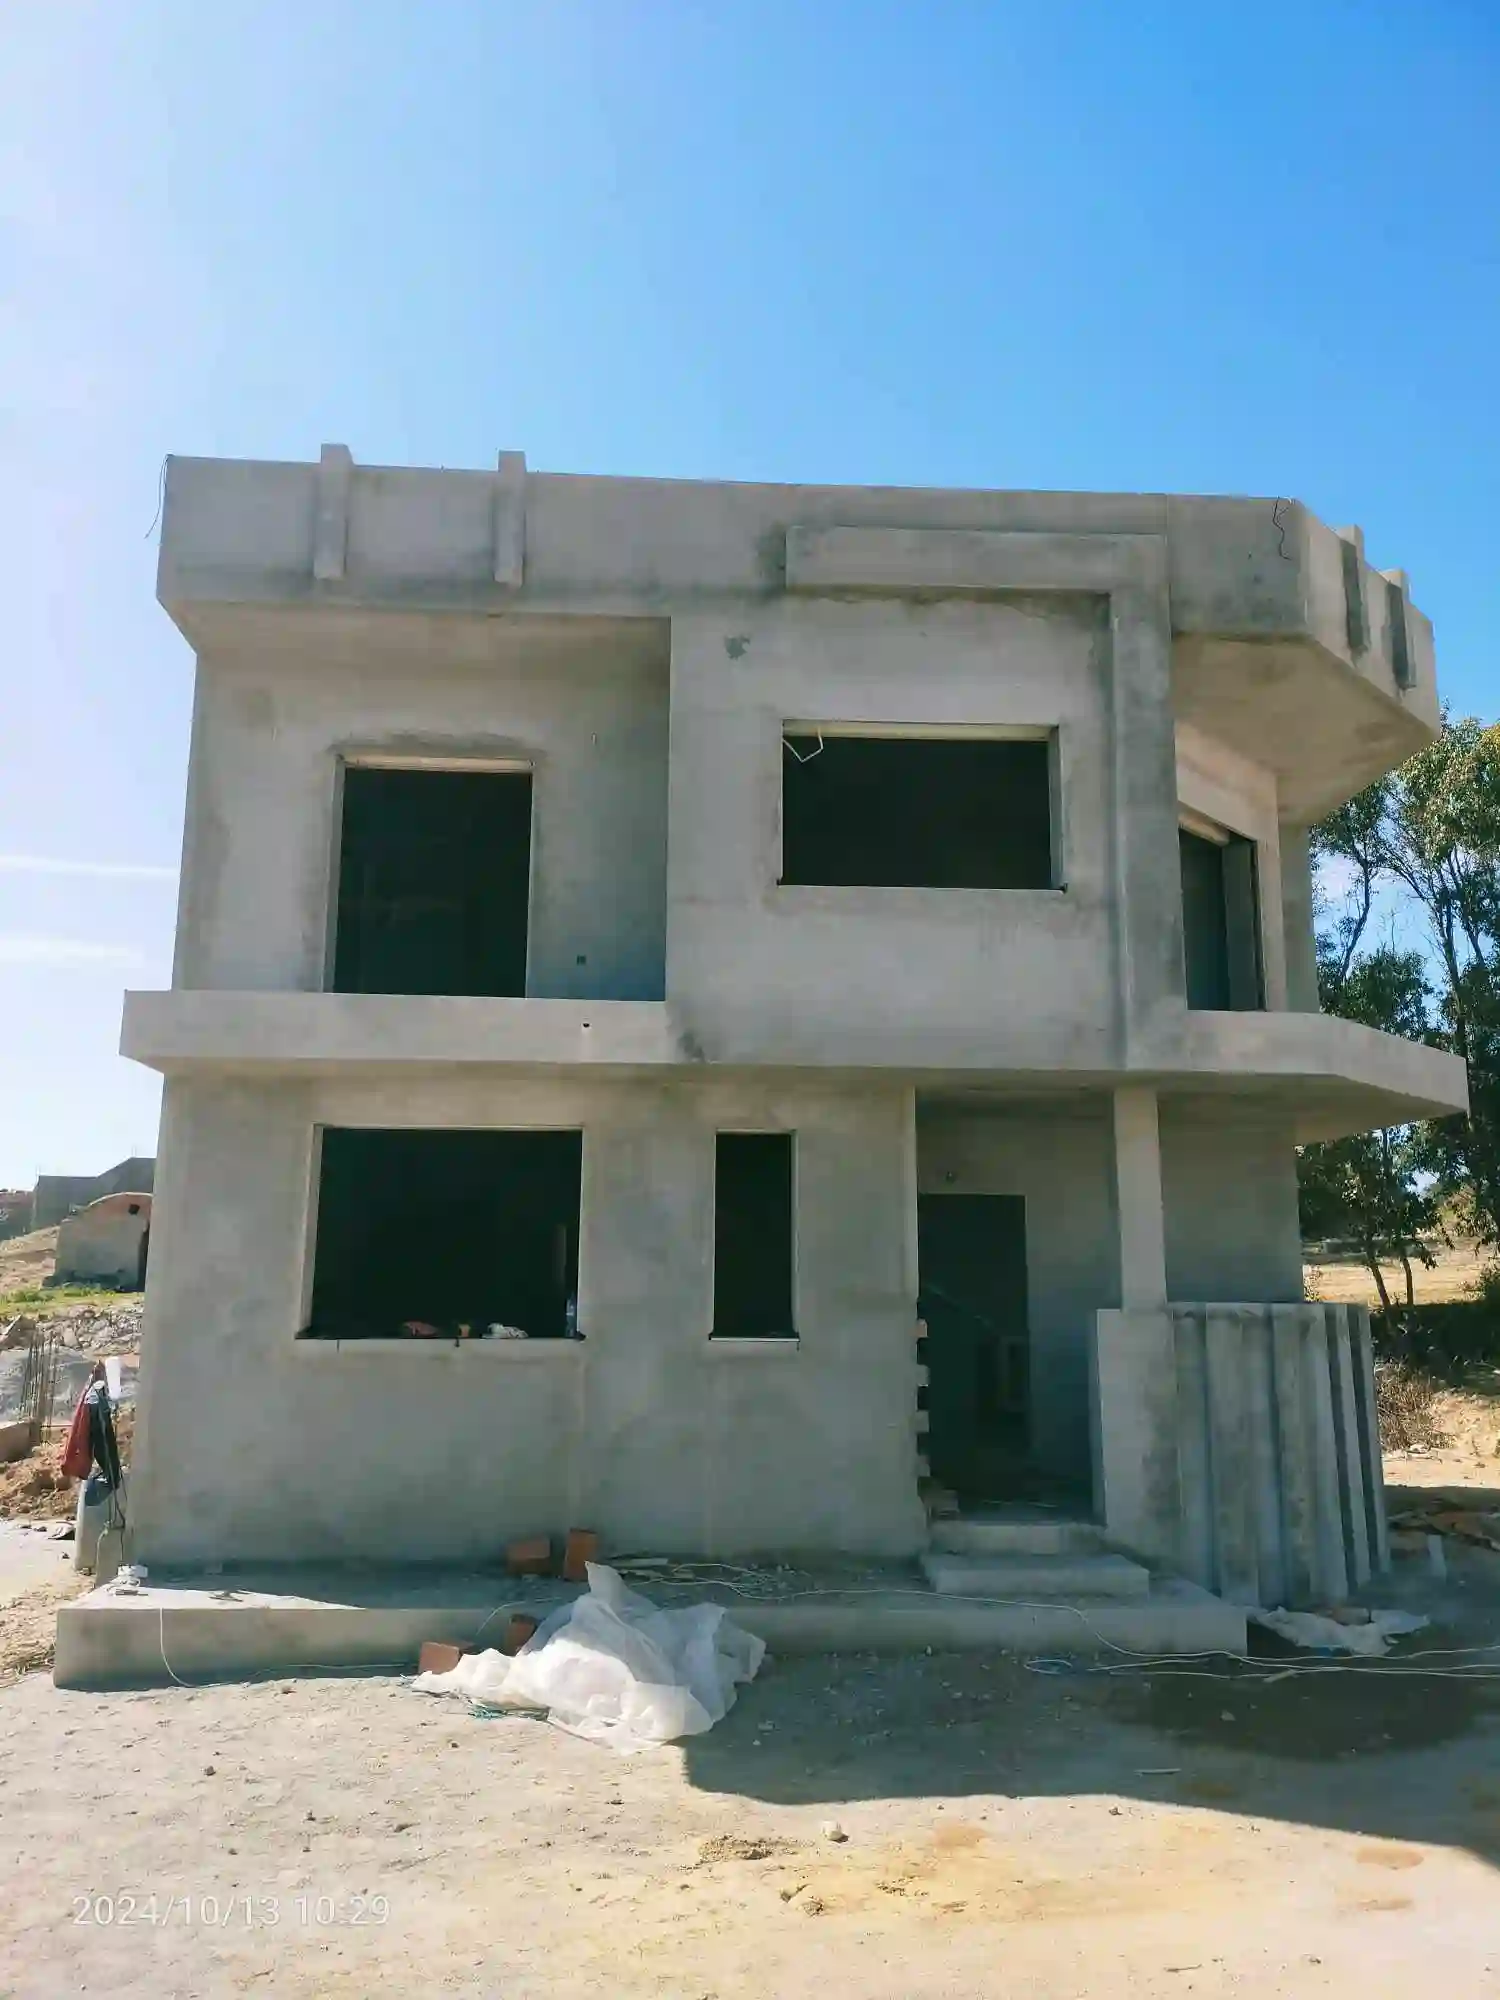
column 1017, row 1530
column 197, row 1629
column 1024, row 1577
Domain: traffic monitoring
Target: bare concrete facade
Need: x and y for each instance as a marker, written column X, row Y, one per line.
column 1228, row 669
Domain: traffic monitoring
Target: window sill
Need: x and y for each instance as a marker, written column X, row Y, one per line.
column 906, row 900
column 753, row 1344
column 513, row 1351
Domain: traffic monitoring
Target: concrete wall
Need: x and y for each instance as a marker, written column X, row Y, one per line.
column 1240, row 1445
column 1230, row 1210
column 823, row 974
column 15, row 1212
column 583, row 702
column 58, row 1194
column 102, row 1244
column 646, row 1430
column 1229, row 1192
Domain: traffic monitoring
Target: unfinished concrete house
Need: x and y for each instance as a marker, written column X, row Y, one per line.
column 717, row 931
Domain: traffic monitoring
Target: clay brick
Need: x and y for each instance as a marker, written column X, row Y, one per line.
column 532, row 1556
column 438, row 1656
column 582, row 1548
column 517, row 1632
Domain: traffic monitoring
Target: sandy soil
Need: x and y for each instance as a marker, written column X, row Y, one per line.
column 28, row 1260
column 1161, row 1830
column 1345, row 1281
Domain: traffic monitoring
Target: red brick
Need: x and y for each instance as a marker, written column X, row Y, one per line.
column 438, row 1656
column 531, row 1556
column 582, row 1548
column 517, row 1632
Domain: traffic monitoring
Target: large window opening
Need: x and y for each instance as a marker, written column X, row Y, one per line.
column 434, row 882
column 753, row 1235
column 447, row 1230
column 917, row 812
column 1221, row 922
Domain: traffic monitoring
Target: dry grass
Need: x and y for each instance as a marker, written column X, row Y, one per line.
column 28, row 1624
column 1344, row 1281
column 1408, row 1401
column 28, row 1260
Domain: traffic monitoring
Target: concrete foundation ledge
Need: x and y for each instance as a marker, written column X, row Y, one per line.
column 207, row 1630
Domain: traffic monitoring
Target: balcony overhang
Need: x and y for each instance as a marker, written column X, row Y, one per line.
column 1333, row 1077
column 305, row 1033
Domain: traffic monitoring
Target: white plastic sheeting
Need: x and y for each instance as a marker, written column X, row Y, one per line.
column 616, row 1668
column 1371, row 1639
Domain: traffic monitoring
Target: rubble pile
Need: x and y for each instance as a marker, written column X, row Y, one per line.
column 96, row 1329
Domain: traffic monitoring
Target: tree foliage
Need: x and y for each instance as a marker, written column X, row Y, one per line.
column 1430, row 833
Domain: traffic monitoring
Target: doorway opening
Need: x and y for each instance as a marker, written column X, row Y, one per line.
column 971, row 1251
column 1221, row 922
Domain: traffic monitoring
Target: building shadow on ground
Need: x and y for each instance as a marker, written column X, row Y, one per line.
column 1377, row 1750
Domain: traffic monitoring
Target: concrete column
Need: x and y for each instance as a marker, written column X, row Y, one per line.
column 1138, row 1198
column 1137, row 1474
column 1147, row 886
column 1297, row 921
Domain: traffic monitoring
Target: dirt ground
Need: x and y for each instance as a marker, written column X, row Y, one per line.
column 1176, row 1828
column 1160, row 1828
column 27, row 1260
column 1346, row 1281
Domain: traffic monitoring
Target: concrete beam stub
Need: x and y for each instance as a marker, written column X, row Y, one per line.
column 331, row 520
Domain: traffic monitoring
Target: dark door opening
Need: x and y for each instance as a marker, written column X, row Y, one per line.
column 446, row 1227
column 434, row 882
column 971, row 1252
column 1221, row 922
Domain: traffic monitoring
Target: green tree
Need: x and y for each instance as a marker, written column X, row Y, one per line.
column 1431, row 831
column 1373, row 1187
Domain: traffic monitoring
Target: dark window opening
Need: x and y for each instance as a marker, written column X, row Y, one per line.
column 753, row 1235
column 916, row 812
column 1221, row 923
column 448, row 1229
column 434, row 882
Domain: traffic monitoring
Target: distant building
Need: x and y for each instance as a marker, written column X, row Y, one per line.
column 15, row 1212
column 105, row 1243
column 57, row 1195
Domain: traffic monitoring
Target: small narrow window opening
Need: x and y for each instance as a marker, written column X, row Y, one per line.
column 434, row 882
column 753, row 1236
column 917, row 812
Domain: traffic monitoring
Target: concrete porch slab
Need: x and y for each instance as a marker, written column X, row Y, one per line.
column 199, row 1628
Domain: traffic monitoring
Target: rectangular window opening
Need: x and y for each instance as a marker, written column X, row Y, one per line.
column 753, row 1236
column 918, row 812
column 446, row 1229
column 434, row 882
column 1221, row 922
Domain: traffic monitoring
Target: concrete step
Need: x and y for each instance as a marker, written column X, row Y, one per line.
column 1015, row 1531
column 196, row 1633
column 1025, row 1577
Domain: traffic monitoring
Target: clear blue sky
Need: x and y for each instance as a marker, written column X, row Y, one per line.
column 1195, row 246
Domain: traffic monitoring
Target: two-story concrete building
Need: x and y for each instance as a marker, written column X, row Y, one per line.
column 710, row 920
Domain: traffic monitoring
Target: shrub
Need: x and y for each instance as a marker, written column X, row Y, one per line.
column 1406, row 1404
